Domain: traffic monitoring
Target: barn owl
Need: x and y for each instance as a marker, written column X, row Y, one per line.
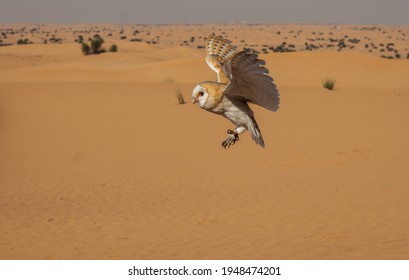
column 241, row 79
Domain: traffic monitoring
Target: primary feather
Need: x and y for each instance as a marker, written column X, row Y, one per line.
column 249, row 81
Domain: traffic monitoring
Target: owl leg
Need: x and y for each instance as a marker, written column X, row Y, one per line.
column 232, row 137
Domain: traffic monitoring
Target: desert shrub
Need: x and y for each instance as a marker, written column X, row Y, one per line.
column 390, row 47
column 387, row 56
column 24, row 42
column 341, row 44
column 86, row 50
column 328, row 84
column 55, row 40
column 113, row 48
column 180, row 97
column 80, row 39
column 96, row 44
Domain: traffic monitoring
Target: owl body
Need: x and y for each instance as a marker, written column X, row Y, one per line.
column 241, row 79
column 240, row 114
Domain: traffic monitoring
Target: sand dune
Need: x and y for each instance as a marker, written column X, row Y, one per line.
column 99, row 161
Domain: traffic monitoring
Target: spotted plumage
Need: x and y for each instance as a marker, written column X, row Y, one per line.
column 219, row 51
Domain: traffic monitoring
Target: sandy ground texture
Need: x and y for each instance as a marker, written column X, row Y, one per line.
column 98, row 160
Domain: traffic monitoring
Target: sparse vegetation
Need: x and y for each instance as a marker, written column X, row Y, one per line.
column 178, row 91
column 328, row 84
column 95, row 46
column 283, row 48
column 80, row 39
column 387, row 56
column 180, row 97
column 113, row 48
column 24, row 42
column 55, row 40
column 86, row 50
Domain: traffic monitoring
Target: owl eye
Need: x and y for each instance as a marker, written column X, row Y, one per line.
column 201, row 93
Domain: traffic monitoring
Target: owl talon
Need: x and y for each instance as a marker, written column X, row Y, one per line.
column 231, row 139
column 228, row 142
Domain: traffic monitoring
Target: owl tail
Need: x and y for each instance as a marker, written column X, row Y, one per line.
column 256, row 133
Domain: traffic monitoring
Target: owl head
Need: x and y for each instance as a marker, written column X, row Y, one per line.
column 200, row 96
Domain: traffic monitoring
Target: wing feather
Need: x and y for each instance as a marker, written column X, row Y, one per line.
column 249, row 80
column 222, row 48
column 219, row 51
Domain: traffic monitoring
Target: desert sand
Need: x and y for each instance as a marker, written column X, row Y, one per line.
column 98, row 160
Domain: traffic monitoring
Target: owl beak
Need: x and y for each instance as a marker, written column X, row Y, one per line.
column 194, row 100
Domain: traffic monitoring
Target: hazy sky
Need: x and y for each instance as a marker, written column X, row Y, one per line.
column 205, row 11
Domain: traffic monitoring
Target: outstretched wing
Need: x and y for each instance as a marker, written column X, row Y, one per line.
column 250, row 82
column 219, row 51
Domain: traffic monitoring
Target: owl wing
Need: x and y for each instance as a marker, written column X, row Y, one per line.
column 219, row 51
column 250, row 82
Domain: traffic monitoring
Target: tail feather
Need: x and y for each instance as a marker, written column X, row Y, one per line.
column 256, row 133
